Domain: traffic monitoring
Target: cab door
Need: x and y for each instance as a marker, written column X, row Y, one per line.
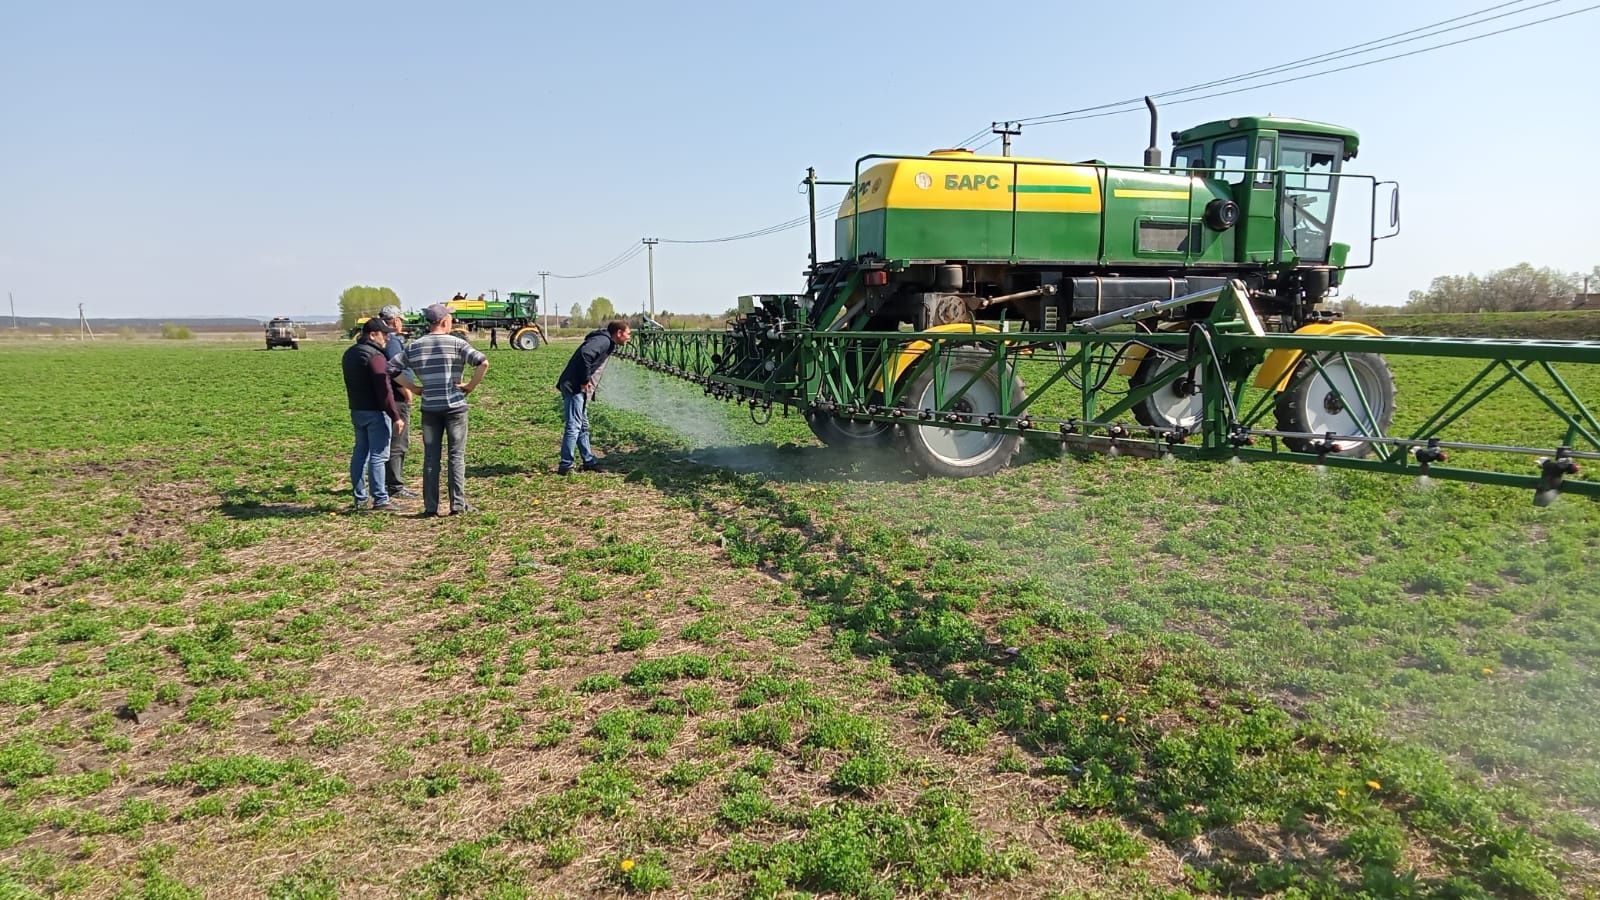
column 1258, row 202
column 1309, row 167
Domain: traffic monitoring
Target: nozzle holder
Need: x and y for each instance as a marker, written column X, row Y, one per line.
column 1430, row 454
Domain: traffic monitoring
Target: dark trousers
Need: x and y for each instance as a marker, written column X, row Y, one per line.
column 436, row 427
column 397, row 448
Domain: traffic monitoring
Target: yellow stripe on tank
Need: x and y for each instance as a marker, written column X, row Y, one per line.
column 977, row 183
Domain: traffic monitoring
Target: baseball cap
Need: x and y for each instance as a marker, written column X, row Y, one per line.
column 436, row 312
column 389, row 312
column 376, row 324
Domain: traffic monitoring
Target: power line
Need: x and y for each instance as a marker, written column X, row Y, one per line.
column 1393, row 40
column 760, row 232
column 633, row 251
column 1353, row 49
column 1433, row 29
column 1370, row 62
column 971, row 137
column 618, row 260
column 987, row 143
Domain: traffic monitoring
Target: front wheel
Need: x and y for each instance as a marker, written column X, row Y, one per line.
column 961, row 452
column 1176, row 404
column 837, row 432
column 525, row 338
column 1349, row 394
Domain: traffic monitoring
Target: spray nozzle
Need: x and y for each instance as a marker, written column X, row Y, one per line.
column 1427, row 456
column 1552, row 471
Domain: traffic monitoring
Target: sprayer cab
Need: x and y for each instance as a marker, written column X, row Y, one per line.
column 1277, row 169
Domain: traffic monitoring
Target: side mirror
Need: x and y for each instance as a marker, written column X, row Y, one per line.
column 1394, row 209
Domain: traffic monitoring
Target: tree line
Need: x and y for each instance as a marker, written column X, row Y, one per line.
column 1519, row 288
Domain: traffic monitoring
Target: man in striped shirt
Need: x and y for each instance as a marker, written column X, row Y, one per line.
column 439, row 359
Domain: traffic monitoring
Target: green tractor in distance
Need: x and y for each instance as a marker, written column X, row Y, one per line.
column 517, row 315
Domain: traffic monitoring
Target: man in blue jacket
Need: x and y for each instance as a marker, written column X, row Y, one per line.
column 577, row 389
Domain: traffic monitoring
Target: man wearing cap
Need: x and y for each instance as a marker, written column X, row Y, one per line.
column 402, row 402
column 372, row 413
column 437, row 361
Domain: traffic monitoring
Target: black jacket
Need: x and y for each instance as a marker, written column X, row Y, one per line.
column 589, row 357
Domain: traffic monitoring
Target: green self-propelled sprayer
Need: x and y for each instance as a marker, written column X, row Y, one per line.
column 517, row 315
column 1158, row 309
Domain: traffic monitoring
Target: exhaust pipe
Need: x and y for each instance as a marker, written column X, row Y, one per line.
column 1152, row 153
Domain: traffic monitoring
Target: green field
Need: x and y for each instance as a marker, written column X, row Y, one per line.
column 741, row 665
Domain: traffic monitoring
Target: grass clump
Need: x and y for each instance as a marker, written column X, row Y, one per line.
column 860, row 850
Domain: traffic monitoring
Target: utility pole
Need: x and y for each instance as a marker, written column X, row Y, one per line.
column 1006, row 130
column 83, row 325
column 811, row 200
column 650, row 247
column 544, row 295
column 14, row 306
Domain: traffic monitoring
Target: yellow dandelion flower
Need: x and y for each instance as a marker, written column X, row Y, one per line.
column 1339, row 791
column 1374, row 785
column 1488, row 671
column 1104, row 717
column 1121, row 720
column 626, row 865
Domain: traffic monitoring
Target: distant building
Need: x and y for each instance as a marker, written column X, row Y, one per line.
column 1586, row 301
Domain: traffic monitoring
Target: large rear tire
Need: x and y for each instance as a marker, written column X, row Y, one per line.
column 959, row 452
column 525, row 338
column 1343, row 393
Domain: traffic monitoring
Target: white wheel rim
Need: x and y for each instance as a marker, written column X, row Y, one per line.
column 1333, row 400
column 957, row 446
column 1172, row 407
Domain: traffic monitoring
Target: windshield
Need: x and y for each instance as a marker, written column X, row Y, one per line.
column 1309, row 190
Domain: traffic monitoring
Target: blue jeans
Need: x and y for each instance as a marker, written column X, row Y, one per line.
column 369, row 461
column 575, row 438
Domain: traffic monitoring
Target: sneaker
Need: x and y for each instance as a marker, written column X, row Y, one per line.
column 594, row 466
column 383, row 507
column 406, row 493
column 463, row 510
column 564, row 472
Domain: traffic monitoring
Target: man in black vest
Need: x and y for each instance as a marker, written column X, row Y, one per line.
column 372, row 413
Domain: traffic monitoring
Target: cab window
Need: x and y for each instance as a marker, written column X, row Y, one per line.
column 1265, row 151
column 1231, row 160
column 1307, row 162
column 1191, row 156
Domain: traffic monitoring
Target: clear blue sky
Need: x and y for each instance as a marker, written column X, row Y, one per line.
column 171, row 158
